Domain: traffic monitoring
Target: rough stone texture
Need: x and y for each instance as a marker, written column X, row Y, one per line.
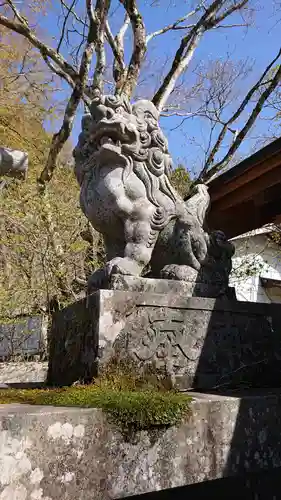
column 263, row 485
column 122, row 164
column 13, row 163
column 23, row 372
column 191, row 342
column 167, row 286
column 76, row 454
column 138, row 284
column 73, row 343
column 24, row 336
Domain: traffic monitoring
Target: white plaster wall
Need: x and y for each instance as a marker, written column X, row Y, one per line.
column 256, row 257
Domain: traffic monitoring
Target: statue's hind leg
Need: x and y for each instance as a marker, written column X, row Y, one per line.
column 180, row 251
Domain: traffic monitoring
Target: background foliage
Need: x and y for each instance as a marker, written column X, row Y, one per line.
column 47, row 248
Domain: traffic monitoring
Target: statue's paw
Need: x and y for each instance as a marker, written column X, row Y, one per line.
column 122, row 265
column 179, row 272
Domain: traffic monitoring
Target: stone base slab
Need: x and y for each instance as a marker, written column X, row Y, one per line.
column 164, row 286
column 189, row 342
column 77, row 454
column 23, row 372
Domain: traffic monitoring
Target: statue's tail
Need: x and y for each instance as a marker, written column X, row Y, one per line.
column 199, row 203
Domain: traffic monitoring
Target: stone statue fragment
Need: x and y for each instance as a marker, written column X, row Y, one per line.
column 13, row 163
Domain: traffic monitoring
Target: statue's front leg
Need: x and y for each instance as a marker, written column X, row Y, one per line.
column 140, row 240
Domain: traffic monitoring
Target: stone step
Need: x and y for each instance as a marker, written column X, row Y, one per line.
column 78, row 454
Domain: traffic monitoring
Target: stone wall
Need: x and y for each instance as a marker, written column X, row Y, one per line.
column 192, row 342
column 77, row 454
column 22, row 336
column 23, row 349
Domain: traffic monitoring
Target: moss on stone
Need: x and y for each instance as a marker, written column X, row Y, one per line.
column 134, row 401
column 124, row 374
column 139, row 409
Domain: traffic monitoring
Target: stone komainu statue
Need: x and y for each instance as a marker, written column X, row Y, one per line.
column 123, row 167
column 13, row 163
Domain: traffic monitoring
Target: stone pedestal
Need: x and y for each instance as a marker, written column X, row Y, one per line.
column 78, row 454
column 192, row 342
column 190, row 288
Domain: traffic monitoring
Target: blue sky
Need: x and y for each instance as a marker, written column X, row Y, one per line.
column 257, row 44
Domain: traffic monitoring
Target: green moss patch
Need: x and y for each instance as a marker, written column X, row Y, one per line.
column 138, row 408
column 132, row 400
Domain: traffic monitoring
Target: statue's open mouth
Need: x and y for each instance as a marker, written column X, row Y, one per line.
column 112, row 136
column 109, row 143
column 108, row 146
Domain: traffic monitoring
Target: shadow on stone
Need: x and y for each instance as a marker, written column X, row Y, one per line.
column 241, row 358
column 256, row 441
column 260, row 486
column 73, row 344
column 241, row 347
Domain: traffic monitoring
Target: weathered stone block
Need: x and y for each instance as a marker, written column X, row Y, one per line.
column 192, row 342
column 73, row 343
column 23, row 372
column 191, row 288
column 77, row 454
column 22, row 336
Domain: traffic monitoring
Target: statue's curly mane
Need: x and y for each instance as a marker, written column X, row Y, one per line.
column 146, row 153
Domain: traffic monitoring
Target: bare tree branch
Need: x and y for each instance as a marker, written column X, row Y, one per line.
column 58, row 71
column 226, row 26
column 127, row 84
column 100, row 17
column 62, row 136
column 188, row 45
column 86, row 95
column 123, row 29
column 91, row 14
column 81, row 36
column 174, row 25
column 228, row 12
column 248, row 125
column 119, row 67
column 203, row 174
column 100, row 64
column 24, row 30
column 69, row 10
column 118, row 55
column 184, row 54
column 17, row 14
